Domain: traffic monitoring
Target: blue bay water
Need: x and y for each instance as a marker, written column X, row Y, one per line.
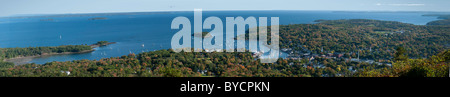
column 130, row 31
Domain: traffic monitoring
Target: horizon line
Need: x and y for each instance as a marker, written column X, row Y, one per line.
column 118, row 12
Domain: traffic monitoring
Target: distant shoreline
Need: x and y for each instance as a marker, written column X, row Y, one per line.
column 171, row 11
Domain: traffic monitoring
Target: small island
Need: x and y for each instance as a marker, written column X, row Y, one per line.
column 204, row 34
column 101, row 43
column 20, row 56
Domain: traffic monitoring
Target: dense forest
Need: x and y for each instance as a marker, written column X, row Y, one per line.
column 166, row 63
column 435, row 66
column 413, row 50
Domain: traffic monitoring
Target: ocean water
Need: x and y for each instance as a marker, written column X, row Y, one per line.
column 131, row 31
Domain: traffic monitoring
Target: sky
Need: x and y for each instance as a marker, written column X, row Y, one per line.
column 31, row 7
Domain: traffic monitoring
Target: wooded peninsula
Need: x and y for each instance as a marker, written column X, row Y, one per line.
column 14, row 55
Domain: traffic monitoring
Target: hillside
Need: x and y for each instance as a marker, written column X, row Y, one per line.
column 425, row 53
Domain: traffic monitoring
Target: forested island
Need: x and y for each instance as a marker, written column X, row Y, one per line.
column 330, row 48
column 204, row 34
column 14, row 54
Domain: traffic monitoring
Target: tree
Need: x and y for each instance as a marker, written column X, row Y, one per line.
column 400, row 54
column 101, row 43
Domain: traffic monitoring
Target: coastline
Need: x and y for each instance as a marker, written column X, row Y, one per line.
column 24, row 60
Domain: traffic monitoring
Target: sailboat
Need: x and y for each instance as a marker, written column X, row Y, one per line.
column 142, row 45
column 60, row 37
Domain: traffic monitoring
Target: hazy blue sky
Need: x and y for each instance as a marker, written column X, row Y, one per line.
column 20, row 7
